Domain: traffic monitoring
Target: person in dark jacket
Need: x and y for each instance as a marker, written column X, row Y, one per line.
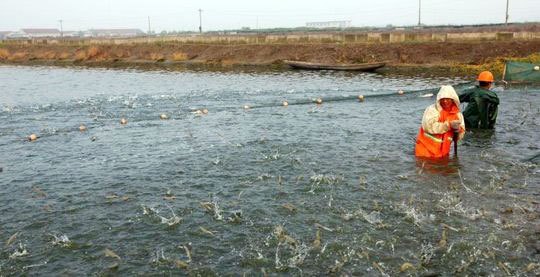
column 482, row 107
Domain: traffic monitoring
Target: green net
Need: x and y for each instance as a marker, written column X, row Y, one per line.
column 520, row 72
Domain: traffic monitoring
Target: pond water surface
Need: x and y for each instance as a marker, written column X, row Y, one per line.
column 299, row 190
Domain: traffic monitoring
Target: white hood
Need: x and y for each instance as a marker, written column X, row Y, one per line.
column 447, row 92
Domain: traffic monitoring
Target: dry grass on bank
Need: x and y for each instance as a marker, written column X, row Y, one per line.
column 93, row 52
column 80, row 55
column 533, row 58
column 179, row 56
column 4, row 54
column 495, row 65
column 18, row 56
column 158, row 57
column 47, row 55
column 64, row 56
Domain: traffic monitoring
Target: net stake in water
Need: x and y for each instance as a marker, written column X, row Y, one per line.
column 455, row 139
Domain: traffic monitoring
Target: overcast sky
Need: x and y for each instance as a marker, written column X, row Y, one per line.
column 233, row 14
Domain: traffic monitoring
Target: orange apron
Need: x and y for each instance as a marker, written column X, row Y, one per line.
column 437, row 145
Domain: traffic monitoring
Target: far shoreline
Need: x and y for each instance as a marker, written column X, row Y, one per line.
column 394, row 69
column 459, row 59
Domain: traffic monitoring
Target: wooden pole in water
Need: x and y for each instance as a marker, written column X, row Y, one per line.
column 455, row 139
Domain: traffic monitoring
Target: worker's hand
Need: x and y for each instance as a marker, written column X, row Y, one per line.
column 454, row 124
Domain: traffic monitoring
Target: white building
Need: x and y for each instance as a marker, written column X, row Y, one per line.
column 329, row 24
column 71, row 34
column 4, row 34
column 35, row 33
column 122, row 33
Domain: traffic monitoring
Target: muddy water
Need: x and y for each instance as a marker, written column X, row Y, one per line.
column 304, row 189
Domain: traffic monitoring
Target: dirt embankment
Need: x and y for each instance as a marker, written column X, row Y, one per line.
column 458, row 57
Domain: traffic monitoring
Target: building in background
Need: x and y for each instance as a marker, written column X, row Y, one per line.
column 55, row 33
column 119, row 33
column 4, row 34
column 72, row 34
column 35, row 33
column 329, row 24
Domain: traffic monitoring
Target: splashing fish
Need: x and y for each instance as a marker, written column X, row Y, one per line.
column 206, row 231
column 111, row 254
column 212, row 207
column 62, row 240
column 12, row 239
column 19, row 252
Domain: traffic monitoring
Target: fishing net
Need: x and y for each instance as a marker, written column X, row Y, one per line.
column 521, row 72
column 354, row 97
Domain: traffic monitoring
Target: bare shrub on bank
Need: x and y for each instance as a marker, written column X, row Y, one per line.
column 47, row 55
column 18, row 56
column 157, row 57
column 64, row 55
column 120, row 53
column 93, row 52
column 4, row 54
column 179, row 56
column 80, row 55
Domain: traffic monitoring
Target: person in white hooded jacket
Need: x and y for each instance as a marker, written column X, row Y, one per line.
column 439, row 123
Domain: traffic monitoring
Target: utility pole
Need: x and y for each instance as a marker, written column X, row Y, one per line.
column 419, row 12
column 257, row 28
column 200, row 21
column 149, row 29
column 506, row 20
column 61, row 29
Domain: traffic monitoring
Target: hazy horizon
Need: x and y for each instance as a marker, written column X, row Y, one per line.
column 171, row 15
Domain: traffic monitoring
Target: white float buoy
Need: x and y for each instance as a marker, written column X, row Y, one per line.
column 246, row 107
column 163, row 116
column 537, row 68
column 32, row 137
column 285, row 103
column 82, row 128
column 123, row 121
column 318, row 101
column 201, row 112
column 400, row 92
column 361, row 98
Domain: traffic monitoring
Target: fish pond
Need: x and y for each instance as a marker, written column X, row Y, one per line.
column 255, row 187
